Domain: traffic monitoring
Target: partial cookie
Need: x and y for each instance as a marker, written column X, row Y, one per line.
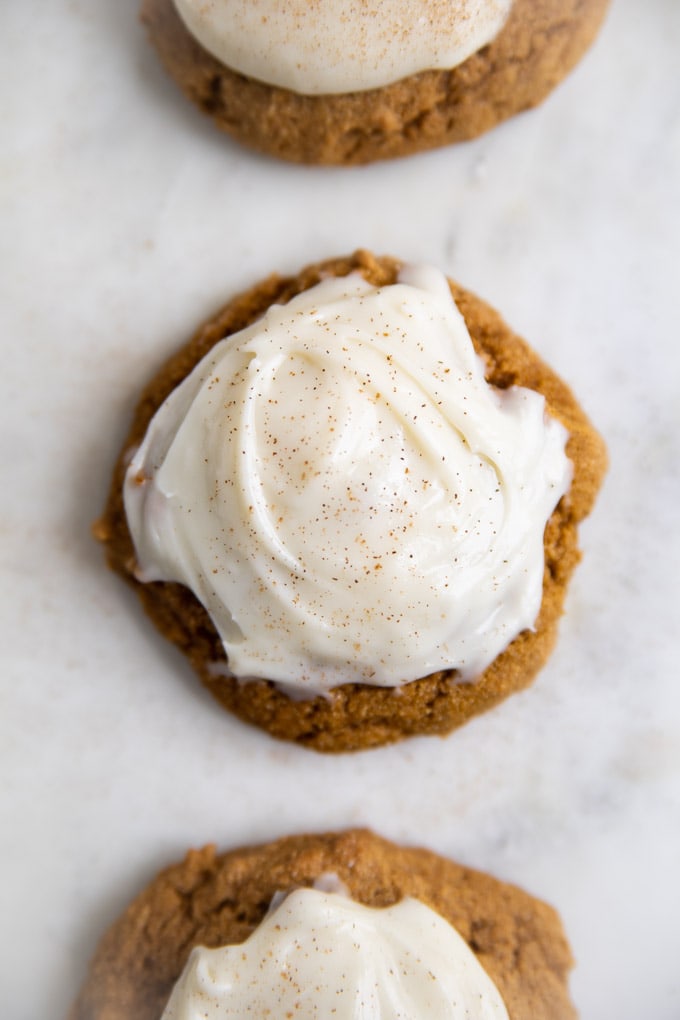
column 526, row 56
column 376, row 609
column 212, row 900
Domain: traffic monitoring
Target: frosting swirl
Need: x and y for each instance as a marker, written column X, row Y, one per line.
column 320, row 955
column 320, row 47
column 346, row 495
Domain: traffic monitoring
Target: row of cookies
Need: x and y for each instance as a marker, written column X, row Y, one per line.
column 352, row 501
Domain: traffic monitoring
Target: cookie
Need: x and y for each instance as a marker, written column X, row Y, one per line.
column 369, row 709
column 533, row 45
column 212, row 899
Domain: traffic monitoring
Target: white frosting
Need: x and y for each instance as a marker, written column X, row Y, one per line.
column 346, row 495
column 319, row 955
column 329, row 46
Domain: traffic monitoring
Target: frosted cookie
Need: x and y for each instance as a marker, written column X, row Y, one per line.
column 250, row 933
column 351, row 500
column 342, row 82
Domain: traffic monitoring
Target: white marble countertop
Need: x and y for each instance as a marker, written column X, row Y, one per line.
column 125, row 219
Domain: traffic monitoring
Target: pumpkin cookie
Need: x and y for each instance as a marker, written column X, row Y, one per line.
column 352, row 500
column 509, row 946
column 342, row 83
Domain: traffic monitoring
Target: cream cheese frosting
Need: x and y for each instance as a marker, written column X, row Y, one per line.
column 319, row 955
column 346, row 495
column 321, row 47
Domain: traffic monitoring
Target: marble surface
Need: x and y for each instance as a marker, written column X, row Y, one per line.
column 125, row 218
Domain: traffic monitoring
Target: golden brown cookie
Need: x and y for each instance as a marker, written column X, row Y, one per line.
column 215, row 899
column 354, row 715
column 539, row 44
